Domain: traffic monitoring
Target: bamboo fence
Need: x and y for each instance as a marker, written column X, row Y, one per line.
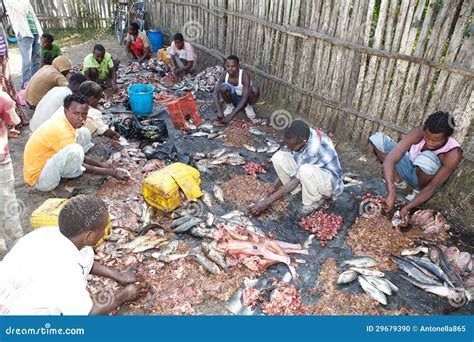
column 349, row 66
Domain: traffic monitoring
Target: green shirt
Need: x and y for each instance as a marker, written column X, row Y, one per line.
column 31, row 23
column 56, row 51
column 104, row 67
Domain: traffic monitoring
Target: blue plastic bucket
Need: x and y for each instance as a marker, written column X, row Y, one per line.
column 156, row 39
column 141, row 98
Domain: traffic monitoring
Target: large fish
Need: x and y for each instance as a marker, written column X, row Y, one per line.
column 434, row 269
column 414, row 272
column 438, row 290
column 455, row 279
column 361, row 262
column 376, row 294
column 347, row 277
column 368, row 272
column 414, row 251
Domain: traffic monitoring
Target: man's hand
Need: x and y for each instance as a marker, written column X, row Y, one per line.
column 126, row 277
column 390, row 201
column 404, row 214
column 259, row 207
column 133, row 292
column 121, row 174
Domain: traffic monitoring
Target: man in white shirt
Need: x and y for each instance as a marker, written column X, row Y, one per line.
column 28, row 30
column 45, row 272
column 181, row 55
column 53, row 100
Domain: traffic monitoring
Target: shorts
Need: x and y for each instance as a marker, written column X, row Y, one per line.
column 235, row 98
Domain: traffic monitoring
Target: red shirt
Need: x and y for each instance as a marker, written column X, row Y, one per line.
column 9, row 117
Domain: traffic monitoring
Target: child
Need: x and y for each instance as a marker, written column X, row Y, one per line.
column 48, row 46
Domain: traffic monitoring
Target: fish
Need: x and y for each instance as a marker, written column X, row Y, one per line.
column 220, row 160
column 255, row 131
column 214, row 255
column 453, row 276
column 273, row 148
column 347, row 277
column 392, row 285
column 367, row 272
column 200, row 232
column 376, row 294
column 180, row 221
column 169, row 257
column 170, row 247
column 380, row 284
column 218, row 193
column 142, row 243
column 207, row 264
column 438, row 290
column 432, row 268
column 187, row 226
column 206, row 198
column 235, row 160
column 214, row 135
column 232, row 214
column 216, row 153
column 361, row 262
column 191, row 126
column 414, row 251
column 210, row 218
column 250, row 148
column 262, row 149
column 206, row 127
column 200, row 134
column 414, row 272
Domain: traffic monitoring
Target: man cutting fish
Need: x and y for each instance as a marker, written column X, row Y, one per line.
column 424, row 158
column 54, row 281
column 311, row 165
column 236, row 89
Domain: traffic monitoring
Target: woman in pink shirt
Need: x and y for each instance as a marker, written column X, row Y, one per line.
column 424, row 158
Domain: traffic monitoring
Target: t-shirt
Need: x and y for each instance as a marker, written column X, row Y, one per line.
column 55, row 51
column 45, row 142
column 49, row 104
column 142, row 35
column 104, row 67
column 94, row 122
column 8, row 116
column 187, row 53
column 43, row 81
column 3, row 45
column 44, row 274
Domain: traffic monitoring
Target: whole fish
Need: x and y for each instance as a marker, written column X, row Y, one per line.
column 180, row 221
column 206, row 127
column 250, row 148
column 453, row 276
column 216, row 153
column 434, row 269
column 361, row 262
column 221, row 160
column 170, row 247
column 414, row 251
column 207, row 264
column 218, row 193
column 376, row 294
column 414, row 272
column 200, row 134
column 187, row 226
column 236, row 160
column 232, row 214
column 438, row 290
column 206, row 198
column 255, row 131
column 273, row 148
column 392, row 285
column 380, row 284
column 367, row 272
column 347, row 277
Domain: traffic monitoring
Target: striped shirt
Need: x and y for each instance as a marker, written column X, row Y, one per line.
column 31, row 23
column 320, row 151
column 3, row 46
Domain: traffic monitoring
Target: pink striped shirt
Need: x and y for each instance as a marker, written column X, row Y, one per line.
column 417, row 149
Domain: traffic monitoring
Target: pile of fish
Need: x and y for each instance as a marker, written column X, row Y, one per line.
column 371, row 280
column 207, row 79
column 430, row 221
column 213, row 159
column 432, row 273
column 253, row 168
column 324, row 225
column 256, row 251
column 205, row 130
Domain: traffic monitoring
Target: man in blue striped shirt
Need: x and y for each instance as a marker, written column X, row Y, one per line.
column 310, row 165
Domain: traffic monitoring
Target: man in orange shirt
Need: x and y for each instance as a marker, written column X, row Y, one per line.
column 56, row 150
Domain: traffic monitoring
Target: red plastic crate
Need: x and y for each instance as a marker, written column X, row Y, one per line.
column 180, row 109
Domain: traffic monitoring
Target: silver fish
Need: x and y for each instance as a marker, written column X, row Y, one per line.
column 207, row 264
column 235, row 160
column 414, row 272
column 262, row 149
column 372, row 290
column 218, row 193
column 214, row 135
column 191, row 126
column 220, row 160
column 432, row 268
column 361, row 262
column 187, row 226
column 438, row 290
column 216, row 153
column 206, row 127
column 273, row 148
column 347, row 277
column 414, row 251
column 255, row 131
column 199, row 134
column 232, row 214
column 392, row 285
column 250, row 148
column 367, row 272
column 380, row 284
column 206, row 198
